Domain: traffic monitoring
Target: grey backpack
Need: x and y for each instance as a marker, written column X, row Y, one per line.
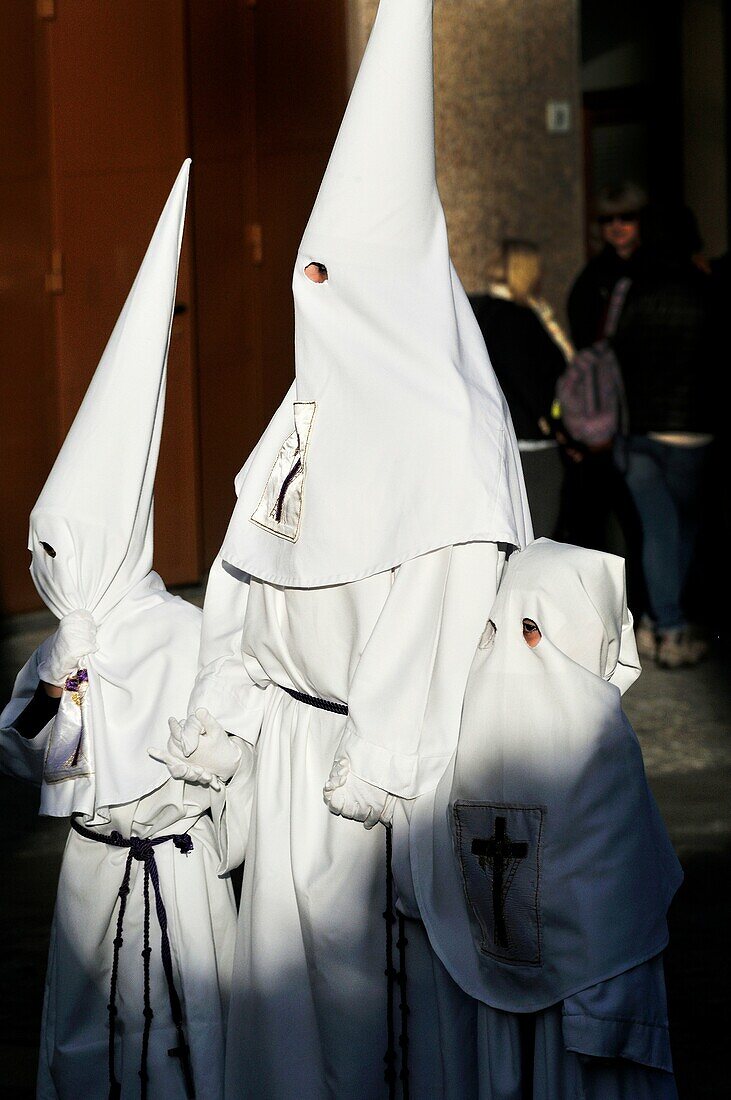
column 590, row 391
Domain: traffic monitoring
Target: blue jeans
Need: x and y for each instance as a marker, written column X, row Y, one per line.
column 665, row 484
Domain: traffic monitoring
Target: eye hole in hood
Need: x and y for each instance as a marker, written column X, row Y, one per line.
column 49, row 549
column 531, row 633
column 316, row 272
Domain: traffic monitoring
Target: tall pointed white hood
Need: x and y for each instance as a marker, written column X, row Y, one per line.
column 395, row 438
column 95, row 510
column 91, row 537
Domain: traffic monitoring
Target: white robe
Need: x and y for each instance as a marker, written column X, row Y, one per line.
column 542, row 729
column 201, row 913
column 308, row 1005
column 629, row 1060
column 610, row 1042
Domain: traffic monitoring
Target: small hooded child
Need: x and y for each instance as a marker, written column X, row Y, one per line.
column 540, row 865
column 142, row 939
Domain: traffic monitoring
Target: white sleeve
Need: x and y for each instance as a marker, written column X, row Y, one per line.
column 231, row 810
column 22, row 757
column 405, row 698
column 223, row 685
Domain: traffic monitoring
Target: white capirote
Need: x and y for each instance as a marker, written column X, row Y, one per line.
column 395, row 438
column 91, row 537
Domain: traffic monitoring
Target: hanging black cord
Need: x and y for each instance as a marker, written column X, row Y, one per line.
column 404, row 1007
column 143, row 849
column 389, row 917
column 392, row 976
column 147, row 1010
column 115, row 1089
column 182, row 1050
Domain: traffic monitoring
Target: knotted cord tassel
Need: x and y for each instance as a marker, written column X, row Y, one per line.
column 147, row 1009
column 143, row 849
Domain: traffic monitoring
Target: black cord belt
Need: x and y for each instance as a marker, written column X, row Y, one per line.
column 313, row 701
column 143, row 849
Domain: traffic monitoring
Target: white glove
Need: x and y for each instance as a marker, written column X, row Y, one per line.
column 200, row 751
column 348, row 796
column 75, row 639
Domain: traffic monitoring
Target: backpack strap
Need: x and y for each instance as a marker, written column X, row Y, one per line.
column 616, row 305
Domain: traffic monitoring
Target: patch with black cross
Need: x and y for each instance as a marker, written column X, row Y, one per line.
column 499, row 851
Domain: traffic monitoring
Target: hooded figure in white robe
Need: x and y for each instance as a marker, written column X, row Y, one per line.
column 119, row 997
column 360, row 563
column 541, row 867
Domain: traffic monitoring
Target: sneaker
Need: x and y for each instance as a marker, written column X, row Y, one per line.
column 646, row 639
column 677, row 649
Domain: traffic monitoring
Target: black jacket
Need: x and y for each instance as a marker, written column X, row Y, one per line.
column 667, row 346
column 525, row 359
column 590, row 295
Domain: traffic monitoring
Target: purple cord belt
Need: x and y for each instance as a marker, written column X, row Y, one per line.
column 143, row 850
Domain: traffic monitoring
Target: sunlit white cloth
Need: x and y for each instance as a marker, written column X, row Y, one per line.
column 308, row 1008
column 395, row 438
column 201, row 914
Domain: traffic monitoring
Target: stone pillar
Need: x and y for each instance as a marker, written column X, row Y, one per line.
column 498, row 63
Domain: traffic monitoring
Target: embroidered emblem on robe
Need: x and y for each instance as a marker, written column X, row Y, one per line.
column 280, row 507
column 498, row 847
column 66, row 756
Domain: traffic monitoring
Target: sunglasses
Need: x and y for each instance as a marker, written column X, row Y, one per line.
column 628, row 218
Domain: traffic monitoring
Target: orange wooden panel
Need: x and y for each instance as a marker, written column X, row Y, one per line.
column 27, row 417
column 301, row 71
column 118, row 73
column 221, row 96
column 119, row 93
column 262, row 130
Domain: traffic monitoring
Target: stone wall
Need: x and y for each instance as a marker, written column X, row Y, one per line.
column 501, row 173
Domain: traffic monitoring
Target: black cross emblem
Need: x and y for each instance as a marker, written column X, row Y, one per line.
column 504, row 854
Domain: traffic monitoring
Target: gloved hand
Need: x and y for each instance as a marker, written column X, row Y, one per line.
column 200, row 751
column 347, row 795
column 75, row 639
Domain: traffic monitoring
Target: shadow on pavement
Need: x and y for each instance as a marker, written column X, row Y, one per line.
column 698, row 974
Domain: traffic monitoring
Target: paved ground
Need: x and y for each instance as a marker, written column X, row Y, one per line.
column 682, row 719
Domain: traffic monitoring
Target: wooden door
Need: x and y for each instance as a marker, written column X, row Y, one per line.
column 301, row 94
column 119, row 136
column 222, row 104
column 262, row 130
column 101, row 102
column 28, row 436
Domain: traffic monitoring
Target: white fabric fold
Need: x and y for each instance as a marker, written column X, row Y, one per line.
column 408, row 445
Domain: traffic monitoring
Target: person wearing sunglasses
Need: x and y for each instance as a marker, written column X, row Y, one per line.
column 618, row 219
